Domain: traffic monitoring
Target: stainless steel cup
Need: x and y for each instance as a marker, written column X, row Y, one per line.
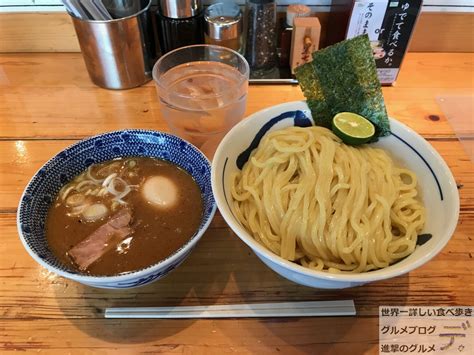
column 119, row 53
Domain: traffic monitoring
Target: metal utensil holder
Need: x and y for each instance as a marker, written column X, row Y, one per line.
column 118, row 53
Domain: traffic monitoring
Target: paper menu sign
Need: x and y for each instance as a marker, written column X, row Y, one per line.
column 389, row 25
column 367, row 17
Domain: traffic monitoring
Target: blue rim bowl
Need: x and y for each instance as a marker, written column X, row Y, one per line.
column 437, row 188
column 46, row 183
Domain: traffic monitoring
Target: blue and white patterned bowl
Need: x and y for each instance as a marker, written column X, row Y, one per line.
column 437, row 187
column 46, row 183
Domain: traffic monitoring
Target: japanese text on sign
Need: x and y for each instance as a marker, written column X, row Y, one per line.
column 420, row 330
column 395, row 35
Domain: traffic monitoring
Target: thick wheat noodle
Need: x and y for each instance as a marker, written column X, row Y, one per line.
column 311, row 199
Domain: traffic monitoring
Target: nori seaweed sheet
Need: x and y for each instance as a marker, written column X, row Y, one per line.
column 343, row 78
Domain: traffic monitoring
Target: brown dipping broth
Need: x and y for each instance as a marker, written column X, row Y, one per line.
column 157, row 232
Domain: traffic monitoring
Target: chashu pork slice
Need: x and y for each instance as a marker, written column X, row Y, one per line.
column 103, row 239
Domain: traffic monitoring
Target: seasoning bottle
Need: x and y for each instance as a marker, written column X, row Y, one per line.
column 180, row 23
column 223, row 25
column 286, row 29
column 304, row 41
column 261, row 39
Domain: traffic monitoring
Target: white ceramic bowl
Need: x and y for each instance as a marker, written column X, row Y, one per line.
column 438, row 191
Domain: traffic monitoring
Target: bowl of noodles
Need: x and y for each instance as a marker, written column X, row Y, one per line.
column 328, row 215
column 117, row 210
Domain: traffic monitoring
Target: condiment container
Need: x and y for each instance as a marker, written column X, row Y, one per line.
column 223, row 25
column 261, row 39
column 180, row 23
column 305, row 40
column 296, row 10
column 286, row 29
column 118, row 53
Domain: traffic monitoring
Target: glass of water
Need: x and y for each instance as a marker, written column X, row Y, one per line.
column 203, row 92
